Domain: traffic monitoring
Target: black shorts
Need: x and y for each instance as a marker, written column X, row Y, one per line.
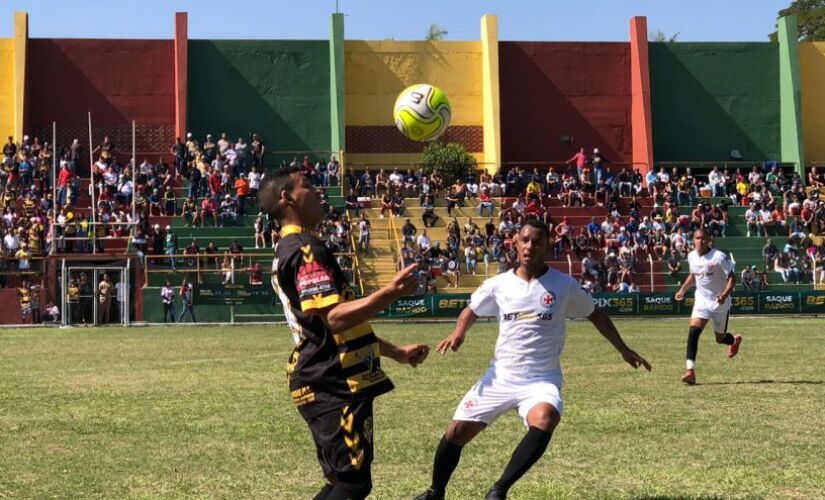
column 343, row 438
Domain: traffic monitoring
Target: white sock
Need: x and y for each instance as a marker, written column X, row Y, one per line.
column 691, row 364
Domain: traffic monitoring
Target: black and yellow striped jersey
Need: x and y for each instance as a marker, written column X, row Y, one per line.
column 326, row 371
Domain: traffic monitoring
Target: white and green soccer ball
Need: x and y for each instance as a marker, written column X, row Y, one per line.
column 422, row 112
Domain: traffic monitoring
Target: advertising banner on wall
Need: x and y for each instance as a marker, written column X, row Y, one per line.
column 629, row 304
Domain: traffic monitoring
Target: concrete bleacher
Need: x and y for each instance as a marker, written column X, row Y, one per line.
column 379, row 268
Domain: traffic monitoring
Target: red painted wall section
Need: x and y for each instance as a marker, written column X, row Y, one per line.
column 117, row 80
column 550, row 89
column 642, row 123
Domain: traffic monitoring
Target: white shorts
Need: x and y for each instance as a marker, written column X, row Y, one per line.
column 719, row 314
column 491, row 397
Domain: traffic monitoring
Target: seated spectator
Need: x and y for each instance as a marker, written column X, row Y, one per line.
column 749, row 279
column 228, row 210
column 754, row 222
column 485, row 202
column 398, row 203
column 428, row 215
column 408, row 232
column 423, row 241
column 208, row 209
column 387, row 204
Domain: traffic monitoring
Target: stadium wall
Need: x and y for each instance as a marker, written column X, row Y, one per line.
column 117, row 80
column 710, row 98
column 554, row 89
column 812, row 76
column 377, row 71
column 279, row 88
column 6, row 88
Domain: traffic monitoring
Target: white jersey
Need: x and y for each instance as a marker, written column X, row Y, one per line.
column 531, row 318
column 711, row 273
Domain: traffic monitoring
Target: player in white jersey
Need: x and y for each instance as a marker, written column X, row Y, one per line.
column 712, row 272
column 531, row 303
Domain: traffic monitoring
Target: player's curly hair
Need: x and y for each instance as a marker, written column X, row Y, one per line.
column 272, row 187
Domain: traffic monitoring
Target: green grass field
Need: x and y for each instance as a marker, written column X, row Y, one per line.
column 204, row 412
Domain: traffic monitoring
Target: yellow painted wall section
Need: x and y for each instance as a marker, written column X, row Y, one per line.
column 377, row 71
column 492, row 103
column 6, row 88
column 21, row 38
column 401, row 160
column 812, row 69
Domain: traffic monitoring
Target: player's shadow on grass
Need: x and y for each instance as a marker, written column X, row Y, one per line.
column 766, row 381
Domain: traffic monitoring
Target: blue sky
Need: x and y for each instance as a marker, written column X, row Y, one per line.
column 571, row 20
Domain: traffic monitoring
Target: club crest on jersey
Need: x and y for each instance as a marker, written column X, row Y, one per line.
column 470, row 403
column 548, row 300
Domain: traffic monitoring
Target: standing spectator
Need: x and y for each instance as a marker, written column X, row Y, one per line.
column 104, row 293
column 254, row 178
column 364, row 229
column 186, row 293
column 241, row 192
column 579, row 159
column 769, row 252
column 167, row 296
column 171, row 246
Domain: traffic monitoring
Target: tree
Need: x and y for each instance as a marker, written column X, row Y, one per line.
column 451, row 160
column 660, row 36
column 435, row 32
column 810, row 19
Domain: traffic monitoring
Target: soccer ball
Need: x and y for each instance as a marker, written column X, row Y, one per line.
column 422, row 112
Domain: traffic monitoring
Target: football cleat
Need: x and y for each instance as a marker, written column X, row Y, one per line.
column 430, row 494
column 734, row 348
column 496, row 493
column 689, row 377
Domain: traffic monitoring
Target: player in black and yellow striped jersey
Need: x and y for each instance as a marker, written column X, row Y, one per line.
column 335, row 371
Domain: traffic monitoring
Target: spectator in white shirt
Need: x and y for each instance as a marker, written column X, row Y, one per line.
column 424, row 242
column 717, row 182
column 254, row 179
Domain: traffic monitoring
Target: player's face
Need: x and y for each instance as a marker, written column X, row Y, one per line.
column 531, row 246
column 305, row 200
column 701, row 242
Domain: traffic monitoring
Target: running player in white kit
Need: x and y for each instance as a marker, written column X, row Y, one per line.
column 712, row 272
column 531, row 303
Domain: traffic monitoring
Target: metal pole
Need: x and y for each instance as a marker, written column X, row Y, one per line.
column 134, row 174
column 92, row 187
column 54, row 187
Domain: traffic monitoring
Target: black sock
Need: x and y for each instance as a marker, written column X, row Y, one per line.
column 527, row 453
column 693, row 342
column 324, row 493
column 728, row 339
column 446, row 460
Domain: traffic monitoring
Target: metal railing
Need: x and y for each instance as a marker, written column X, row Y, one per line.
column 36, row 266
column 356, row 264
column 207, row 264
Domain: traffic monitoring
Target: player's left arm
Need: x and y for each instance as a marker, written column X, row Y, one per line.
column 728, row 288
column 605, row 326
column 727, row 266
column 410, row 354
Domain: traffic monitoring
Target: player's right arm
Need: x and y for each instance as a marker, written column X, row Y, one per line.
column 342, row 316
column 482, row 303
column 680, row 295
column 454, row 341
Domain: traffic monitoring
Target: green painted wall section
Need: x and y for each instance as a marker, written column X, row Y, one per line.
column 153, row 310
column 790, row 94
column 336, row 82
column 710, row 98
column 279, row 88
